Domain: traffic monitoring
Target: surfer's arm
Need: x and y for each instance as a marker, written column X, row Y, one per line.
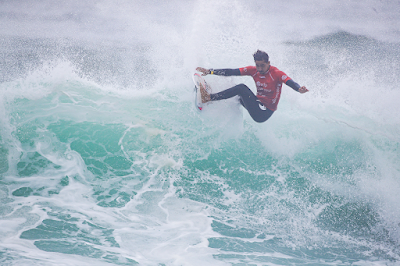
column 219, row 72
column 296, row 86
column 225, row 72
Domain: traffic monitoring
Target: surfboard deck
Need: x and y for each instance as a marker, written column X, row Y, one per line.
column 199, row 81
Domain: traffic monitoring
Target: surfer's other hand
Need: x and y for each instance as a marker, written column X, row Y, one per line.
column 303, row 89
column 204, row 71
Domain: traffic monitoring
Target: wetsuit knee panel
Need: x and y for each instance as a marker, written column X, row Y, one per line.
column 242, row 85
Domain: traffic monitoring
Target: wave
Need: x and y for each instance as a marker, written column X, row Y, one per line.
column 104, row 159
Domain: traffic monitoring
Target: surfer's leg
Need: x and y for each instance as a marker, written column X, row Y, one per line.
column 259, row 115
column 247, row 98
column 238, row 90
column 256, row 109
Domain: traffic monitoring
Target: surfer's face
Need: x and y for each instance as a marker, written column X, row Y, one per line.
column 262, row 66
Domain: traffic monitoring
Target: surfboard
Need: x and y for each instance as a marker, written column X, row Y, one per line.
column 199, row 81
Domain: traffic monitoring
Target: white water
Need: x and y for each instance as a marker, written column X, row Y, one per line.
column 124, row 68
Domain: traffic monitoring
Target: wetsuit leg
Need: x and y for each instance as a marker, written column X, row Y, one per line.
column 247, row 99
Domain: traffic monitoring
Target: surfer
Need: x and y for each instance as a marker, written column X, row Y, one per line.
column 268, row 81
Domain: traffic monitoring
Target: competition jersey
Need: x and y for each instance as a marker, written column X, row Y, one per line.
column 269, row 85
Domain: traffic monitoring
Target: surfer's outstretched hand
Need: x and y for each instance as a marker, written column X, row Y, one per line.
column 303, row 89
column 204, row 71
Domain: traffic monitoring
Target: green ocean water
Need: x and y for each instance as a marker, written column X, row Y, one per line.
column 104, row 159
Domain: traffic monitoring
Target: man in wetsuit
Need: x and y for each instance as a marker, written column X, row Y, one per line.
column 268, row 81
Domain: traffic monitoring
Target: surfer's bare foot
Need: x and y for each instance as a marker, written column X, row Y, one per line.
column 205, row 96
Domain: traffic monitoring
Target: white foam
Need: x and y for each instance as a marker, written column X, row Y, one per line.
column 148, row 52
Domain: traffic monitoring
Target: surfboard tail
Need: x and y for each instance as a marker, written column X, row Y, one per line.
column 198, row 82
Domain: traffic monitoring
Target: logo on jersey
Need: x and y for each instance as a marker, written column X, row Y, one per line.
column 245, row 69
column 284, row 77
column 259, row 84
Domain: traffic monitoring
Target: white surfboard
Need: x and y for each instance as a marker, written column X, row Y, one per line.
column 199, row 81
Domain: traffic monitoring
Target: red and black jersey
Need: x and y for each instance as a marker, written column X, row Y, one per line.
column 269, row 85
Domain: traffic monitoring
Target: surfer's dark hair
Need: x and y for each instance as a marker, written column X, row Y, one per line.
column 261, row 55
